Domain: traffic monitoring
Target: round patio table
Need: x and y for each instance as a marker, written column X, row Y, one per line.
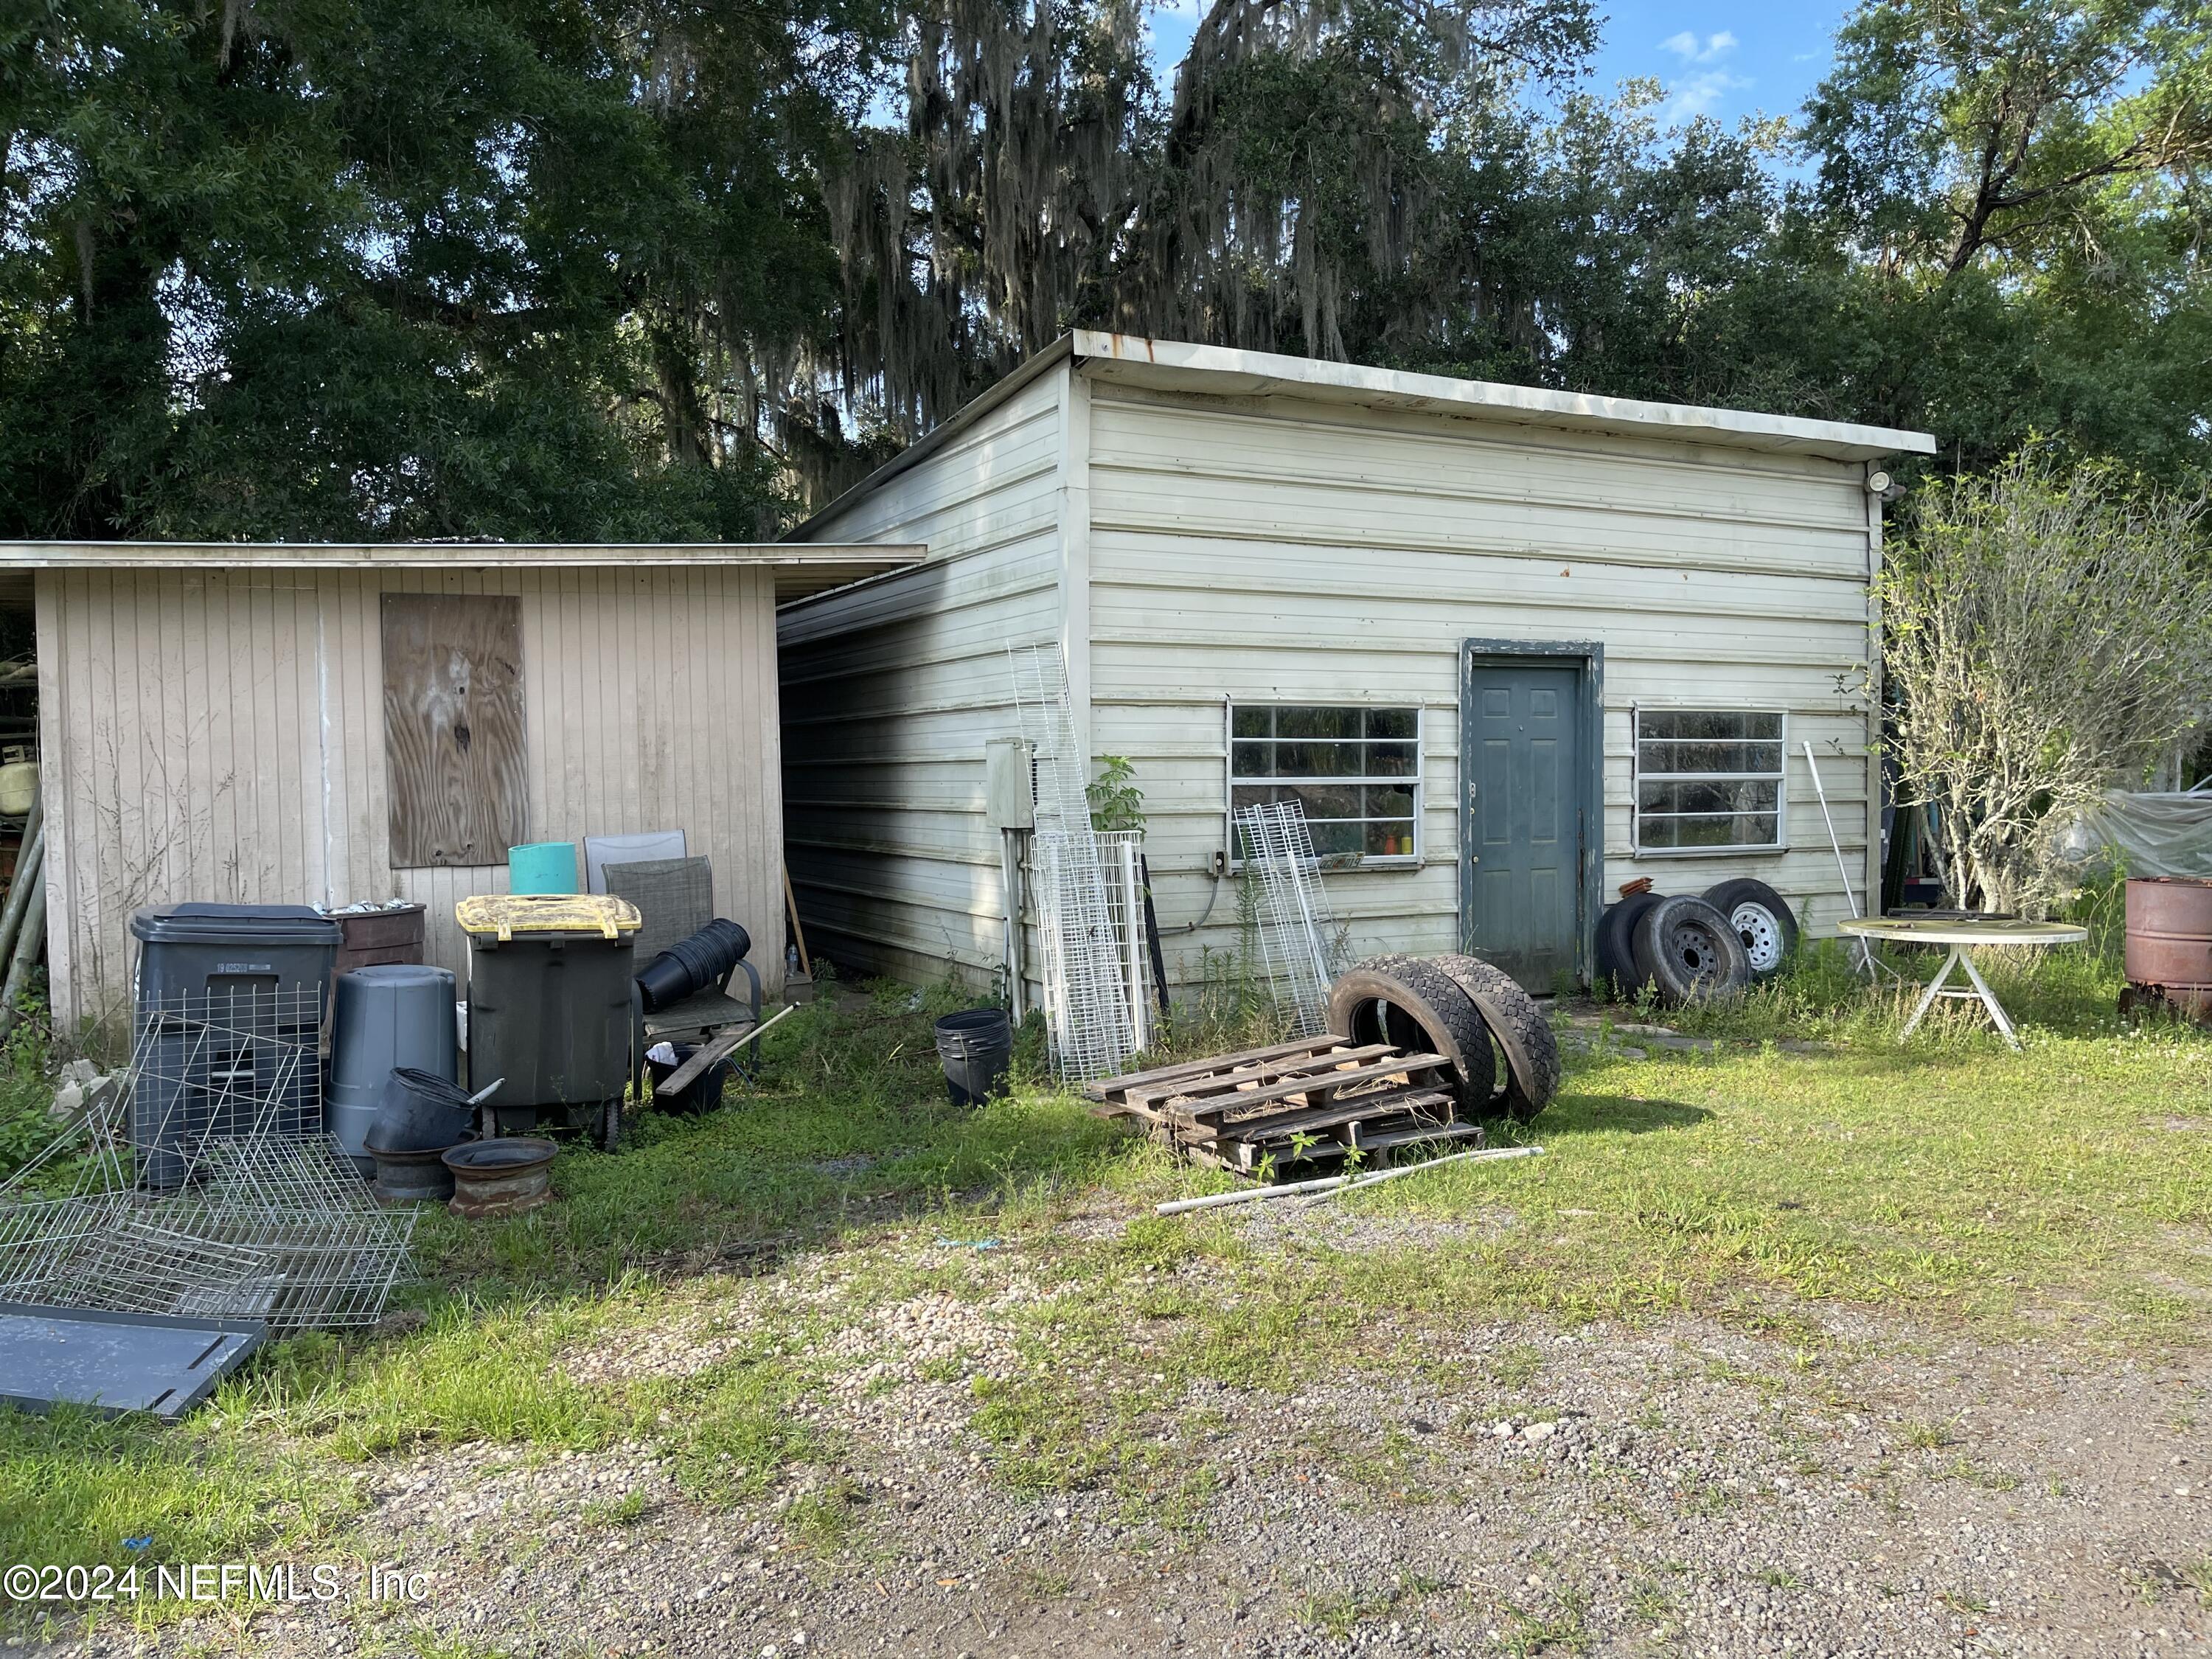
column 1962, row 934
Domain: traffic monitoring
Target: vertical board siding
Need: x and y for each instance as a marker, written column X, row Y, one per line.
column 1268, row 550
column 220, row 735
column 891, row 688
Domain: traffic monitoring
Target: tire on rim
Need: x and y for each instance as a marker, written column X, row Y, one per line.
column 1414, row 1003
column 1689, row 952
column 1531, row 1054
column 1616, row 941
column 1763, row 921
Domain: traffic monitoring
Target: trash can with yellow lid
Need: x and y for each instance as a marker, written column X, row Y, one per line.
column 549, row 1006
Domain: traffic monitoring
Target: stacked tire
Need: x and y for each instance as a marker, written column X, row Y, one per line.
column 1692, row 949
column 1504, row 1059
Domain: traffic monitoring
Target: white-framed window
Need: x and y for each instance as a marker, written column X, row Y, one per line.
column 1710, row 780
column 1356, row 769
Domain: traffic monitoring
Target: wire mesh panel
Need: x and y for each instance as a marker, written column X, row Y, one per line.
column 1086, row 996
column 204, row 1186
column 1121, row 858
column 219, row 1065
column 1301, row 950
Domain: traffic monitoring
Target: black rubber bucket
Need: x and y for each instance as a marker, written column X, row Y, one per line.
column 975, row 1045
column 703, row 1094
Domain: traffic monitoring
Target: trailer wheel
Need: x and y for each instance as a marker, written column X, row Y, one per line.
column 1763, row 921
column 1412, row 1002
column 1530, row 1052
column 1616, row 942
column 1690, row 951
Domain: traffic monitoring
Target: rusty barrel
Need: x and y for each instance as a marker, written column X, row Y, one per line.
column 2169, row 947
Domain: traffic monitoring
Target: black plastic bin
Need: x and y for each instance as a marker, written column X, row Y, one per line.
column 231, row 1000
column 976, row 1045
column 549, row 1006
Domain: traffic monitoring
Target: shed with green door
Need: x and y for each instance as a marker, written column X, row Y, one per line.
column 1510, row 647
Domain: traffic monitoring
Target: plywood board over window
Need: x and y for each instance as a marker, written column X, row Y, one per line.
column 452, row 728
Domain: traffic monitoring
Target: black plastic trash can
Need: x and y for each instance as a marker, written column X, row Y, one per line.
column 549, row 1002
column 231, row 1000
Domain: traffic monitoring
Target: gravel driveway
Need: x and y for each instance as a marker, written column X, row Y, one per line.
column 1683, row 1487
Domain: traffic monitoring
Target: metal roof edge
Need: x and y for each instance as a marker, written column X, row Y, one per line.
column 1139, row 359
column 940, row 434
column 440, row 555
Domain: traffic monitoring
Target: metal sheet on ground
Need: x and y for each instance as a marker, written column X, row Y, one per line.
column 115, row 1362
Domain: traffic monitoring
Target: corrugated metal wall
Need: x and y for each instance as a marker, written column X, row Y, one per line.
column 891, row 688
column 1286, row 552
column 220, row 736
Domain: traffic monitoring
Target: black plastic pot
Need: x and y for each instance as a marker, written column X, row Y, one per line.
column 423, row 1113
column 976, row 1046
column 692, row 964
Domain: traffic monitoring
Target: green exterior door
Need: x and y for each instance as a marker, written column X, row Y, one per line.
column 1527, row 814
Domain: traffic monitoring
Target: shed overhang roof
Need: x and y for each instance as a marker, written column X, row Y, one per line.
column 799, row 568
column 1217, row 371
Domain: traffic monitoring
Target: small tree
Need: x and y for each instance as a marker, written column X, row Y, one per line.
column 2046, row 635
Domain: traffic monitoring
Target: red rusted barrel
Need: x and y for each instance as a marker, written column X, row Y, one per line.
column 2169, row 949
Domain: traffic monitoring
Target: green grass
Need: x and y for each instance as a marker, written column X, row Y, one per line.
column 2062, row 1191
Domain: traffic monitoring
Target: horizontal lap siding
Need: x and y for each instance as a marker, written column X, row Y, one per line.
column 221, row 736
column 890, row 689
column 1277, row 553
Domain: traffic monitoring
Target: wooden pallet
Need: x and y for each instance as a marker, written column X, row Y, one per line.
column 1316, row 1097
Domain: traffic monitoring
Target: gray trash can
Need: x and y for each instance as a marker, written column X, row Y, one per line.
column 230, row 1005
column 385, row 1017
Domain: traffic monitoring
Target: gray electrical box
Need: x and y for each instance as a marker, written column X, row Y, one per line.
column 1009, row 784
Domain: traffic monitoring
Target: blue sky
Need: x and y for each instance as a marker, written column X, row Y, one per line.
column 1721, row 57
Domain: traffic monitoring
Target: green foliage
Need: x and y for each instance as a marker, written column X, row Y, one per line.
column 1117, row 803
column 380, row 268
column 2045, row 633
column 26, row 1094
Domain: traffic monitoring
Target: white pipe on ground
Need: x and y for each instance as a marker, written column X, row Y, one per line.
column 1334, row 1183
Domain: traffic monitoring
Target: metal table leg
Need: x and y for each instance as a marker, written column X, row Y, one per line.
column 1934, row 989
column 1979, row 991
column 1988, row 999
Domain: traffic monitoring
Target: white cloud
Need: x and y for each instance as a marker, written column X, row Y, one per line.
column 1699, row 93
column 1690, row 49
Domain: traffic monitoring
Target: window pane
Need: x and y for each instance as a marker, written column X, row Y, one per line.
column 1748, row 795
column 1297, row 722
column 1337, row 837
column 1708, row 829
column 1695, row 724
column 1359, row 766
column 1685, row 756
column 1386, row 802
column 1327, row 800
column 1317, row 760
column 1390, row 841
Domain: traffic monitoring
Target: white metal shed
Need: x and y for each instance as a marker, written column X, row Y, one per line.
column 216, row 718
column 1514, row 647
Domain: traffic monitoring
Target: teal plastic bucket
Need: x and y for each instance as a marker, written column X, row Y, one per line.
column 543, row 866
